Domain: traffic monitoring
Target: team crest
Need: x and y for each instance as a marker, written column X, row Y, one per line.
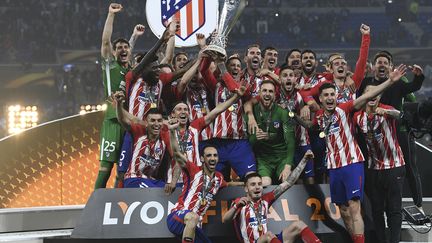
column 195, row 16
column 276, row 124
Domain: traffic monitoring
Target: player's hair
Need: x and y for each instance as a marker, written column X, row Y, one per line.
column 284, row 67
column 385, row 54
column 326, row 86
column 153, row 111
column 166, row 65
column 119, row 40
column 232, row 58
column 176, row 103
column 289, row 53
column 207, row 145
column 178, row 54
column 308, row 51
column 268, row 48
column 268, row 81
column 250, row 46
column 251, row 175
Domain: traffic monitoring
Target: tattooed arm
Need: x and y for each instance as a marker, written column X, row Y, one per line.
column 292, row 178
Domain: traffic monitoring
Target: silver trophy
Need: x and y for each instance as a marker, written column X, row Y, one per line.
column 231, row 11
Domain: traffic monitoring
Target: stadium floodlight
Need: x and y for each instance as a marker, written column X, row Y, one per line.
column 21, row 118
column 86, row 108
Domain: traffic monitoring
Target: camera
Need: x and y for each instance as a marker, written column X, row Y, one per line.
column 418, row 116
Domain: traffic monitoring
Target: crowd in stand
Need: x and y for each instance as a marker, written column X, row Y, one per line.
column 38, row 27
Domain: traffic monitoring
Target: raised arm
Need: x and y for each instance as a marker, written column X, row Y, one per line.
column 169, row 51
column 189, row 74
column 393, row 113
column 393, row 78
column 226, row 76
column 363, row 55
column 137, row 32
column 124, row 117
column 209, row 118
column 292, row 178
column 106, row 47
column 231, row 213
column 409, row 87
column 179, row 157
column 151, row 54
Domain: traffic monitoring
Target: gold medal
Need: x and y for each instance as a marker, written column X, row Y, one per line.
column 203, row 202
column 291, row 114
column 322, row 134
column 260, row 228
column 370, row 135
column 153, row 105
column 231, row 108
column 204, row 110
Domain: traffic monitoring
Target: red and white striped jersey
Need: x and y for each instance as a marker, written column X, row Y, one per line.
column 342, row 147
column 294, row 103
column 141, row 95
column 194, row 190
column 198, row 104
column 313, row 81
column 188, row 142
column 246, row 221
column 254, row 82
column 344, row 94
column 230, row 123
column 384, row 151
column 147, row 155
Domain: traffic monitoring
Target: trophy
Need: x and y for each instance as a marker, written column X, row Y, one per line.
column 231, row 11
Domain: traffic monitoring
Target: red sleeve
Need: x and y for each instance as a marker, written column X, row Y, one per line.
column 166, row 138
column 355, row 117
column 328, row 76
column 199, row 124
column 308, row 95
column 209, row 79
column 176, row 93
column 230, row 82
column 192, row 168
column 223, row 182
column 348, row 107
column 137, row 130
column 166, row 78
column 129, row 79
column 361, row 62
column 269, row 197
column 388, row 107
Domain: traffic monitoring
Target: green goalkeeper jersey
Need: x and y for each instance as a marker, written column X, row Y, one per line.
column 114, row 80
column 281, row 142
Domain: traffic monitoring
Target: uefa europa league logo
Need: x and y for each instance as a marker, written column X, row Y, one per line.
column 231, row 11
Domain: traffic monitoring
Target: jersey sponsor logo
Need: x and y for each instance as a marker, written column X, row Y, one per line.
column 254, row 222
column 195, row 16
column 149, row 161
